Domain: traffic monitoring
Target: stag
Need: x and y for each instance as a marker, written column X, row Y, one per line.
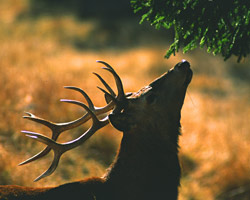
column 146, row 166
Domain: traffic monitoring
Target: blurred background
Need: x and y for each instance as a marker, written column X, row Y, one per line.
column 45, row 45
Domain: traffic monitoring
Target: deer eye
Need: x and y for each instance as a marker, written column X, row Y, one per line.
column 151, row 98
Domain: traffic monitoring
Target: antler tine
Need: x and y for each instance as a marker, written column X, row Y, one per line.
column 87, row 98
column 37, row 156
column 121, row 94
column 60, row 148
column 109, row 95
column 96, row 110
column 51, row 169
column 121, row 99
column 105, row 84
column 90, row 112
column 34, row 118
column 106, row 64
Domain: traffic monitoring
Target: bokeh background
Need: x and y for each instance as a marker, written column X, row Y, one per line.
column 45, row 45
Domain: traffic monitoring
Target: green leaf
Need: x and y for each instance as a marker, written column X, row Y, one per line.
column 172, row 49
column 144, row 17
column 202, row 42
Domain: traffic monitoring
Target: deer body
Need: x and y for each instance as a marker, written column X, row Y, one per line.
column 146, row 166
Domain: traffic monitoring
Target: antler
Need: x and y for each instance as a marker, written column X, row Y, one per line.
column 115, row 102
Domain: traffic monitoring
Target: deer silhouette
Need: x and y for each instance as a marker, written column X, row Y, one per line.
column 146, row 166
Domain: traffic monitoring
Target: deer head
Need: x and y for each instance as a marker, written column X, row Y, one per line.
column 132, row 113
column 162, row 100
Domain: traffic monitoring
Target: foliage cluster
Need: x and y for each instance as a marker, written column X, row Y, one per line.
column 220, row 25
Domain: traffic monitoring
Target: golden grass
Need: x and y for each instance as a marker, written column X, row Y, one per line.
column 37, row 58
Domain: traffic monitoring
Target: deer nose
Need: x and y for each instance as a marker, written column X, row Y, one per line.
column 183, row 65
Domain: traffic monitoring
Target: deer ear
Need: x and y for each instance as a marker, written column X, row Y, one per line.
column 119, row 121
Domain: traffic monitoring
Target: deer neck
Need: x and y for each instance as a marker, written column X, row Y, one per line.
column 148, row 161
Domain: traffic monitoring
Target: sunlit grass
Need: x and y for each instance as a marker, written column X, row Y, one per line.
column 38, row 58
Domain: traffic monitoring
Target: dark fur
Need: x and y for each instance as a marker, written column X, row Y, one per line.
column 147, row 165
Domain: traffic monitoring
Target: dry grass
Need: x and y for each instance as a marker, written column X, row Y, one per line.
column 37, row 58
